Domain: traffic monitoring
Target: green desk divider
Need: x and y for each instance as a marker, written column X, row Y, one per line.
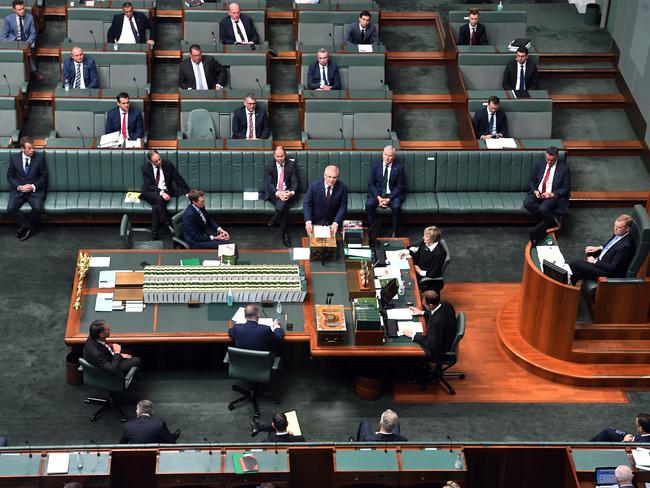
column 173, row 462
column 268, row 461
column 14, row 464
column 590, row 459
column 429, row 459
column 366, row 460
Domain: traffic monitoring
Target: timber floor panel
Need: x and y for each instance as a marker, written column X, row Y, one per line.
column 491, row 375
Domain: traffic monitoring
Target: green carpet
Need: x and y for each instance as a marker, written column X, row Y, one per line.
column 415, row 124
column 417, row 79
column 410, row 38
column 591, row 124
column 581, row 86
column 608, row 173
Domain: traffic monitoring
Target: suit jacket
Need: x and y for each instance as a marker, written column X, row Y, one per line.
column 10, row 28
column 134, row 120
column 89, row 69
column 316, row 209
column 396, row 180
column 271, row 177
column 215, row 73
column 256, row 337
column 561, row 185
column 352, row 34
column 146, row 430
column 98, row 355
column 273, row 437
column 142, row 23
column 480, row 123
column 239, row 123
column 441, row 331
column 464, row 35
column 379, row 437
column 194, row 229
column 314, row 72
column 431, row 262
column 174, row 182
column 227, row 33
column 617, row 258
column 511, row 74
column 37, row 175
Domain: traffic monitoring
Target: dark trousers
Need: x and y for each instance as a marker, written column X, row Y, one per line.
column 206, row 244
column 3, row 441
column 159, row 213
column 542, row 208
column 281, row 210
column 608, row 435
column 365, row 433
column 17, row 200
column 395, row 206
column 584, row 270
column 127, row 364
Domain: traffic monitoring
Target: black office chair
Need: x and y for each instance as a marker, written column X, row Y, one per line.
column 109, row 382
column 179, row 237
column 255, row 368
column 447, row 361
column 127, row 231
column 436, row 283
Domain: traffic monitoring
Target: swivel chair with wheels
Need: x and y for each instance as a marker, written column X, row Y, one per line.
column 448, row 360
column 179, row 237
column 253, row 367
column 109, row 382
column 126, row 234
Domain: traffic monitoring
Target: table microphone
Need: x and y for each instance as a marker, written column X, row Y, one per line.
column 90, row 31
column 137, row 87
column 214, row 138
column 29, row 448
column 214, row 38
column 205, row 439
column 93, row 442
column 342, row 137
column 451, row 444
column 83, row 140
column 260, row 85
column 7, row 82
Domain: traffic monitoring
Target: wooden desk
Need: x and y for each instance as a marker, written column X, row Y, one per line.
column 273, row 463
column 20, row 469
column 365, row 466
column 192, row 467
column 88, row 468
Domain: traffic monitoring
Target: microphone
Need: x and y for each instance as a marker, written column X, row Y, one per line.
column 386, row 446
column 451, row 444
column 93, row 442
column 342, row 137
column 214, row 137
column 260, row 85
column 29, row 448
column 137, row 87
column 331, row 38
column 214, row 38
column 90, row 31
column 7, row 82
column 83, row 140
column 276, row 445
column 205, row 439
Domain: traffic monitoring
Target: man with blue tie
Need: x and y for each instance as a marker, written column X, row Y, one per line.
column 491, row 122
column 27, row 176
column 323, row 74
column 385, row 190
column 326, row 202
column 80, row 71
column 610, row 260
column 521, row 73
column 197, row 223
column 19, row 26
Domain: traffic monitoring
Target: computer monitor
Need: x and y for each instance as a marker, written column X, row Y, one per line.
column 388, row 292
column 605, row 477
column 538, row 234
column 557, row 273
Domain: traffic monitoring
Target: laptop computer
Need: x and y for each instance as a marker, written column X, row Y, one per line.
column 605, row 477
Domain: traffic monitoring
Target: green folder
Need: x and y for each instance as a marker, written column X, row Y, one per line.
column 237, row 465
column 191, row 262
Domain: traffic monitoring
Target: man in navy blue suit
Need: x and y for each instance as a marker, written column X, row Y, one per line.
column 19, row 26
column 125, row 119
column 255, row 336
column 326, row 201
column 146, row 429
column 323, row 74
column 250, row 121
column 385, row 190
column 642, row 427
column 80, row 71
column 237, row 28
column 27, row 176
column 491, row 122
column 197, row 223
column 549, row 187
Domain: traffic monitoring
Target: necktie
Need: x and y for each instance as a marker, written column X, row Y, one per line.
column 492, row 125
column 202, row 216
column 251, row 126
column 124, row 125
column 199, row 78
column 157, row 175
column 26, row 166
column 611, row 242
column 281, row 179
column 77, row 76
column 134, row 30
column 324, row 75
column 522, row 77
column 472, row 38
column 363, row 35
column 328, row 194
column 545, row 180
column 239, row 32
column 21, row 29
column 384, row 183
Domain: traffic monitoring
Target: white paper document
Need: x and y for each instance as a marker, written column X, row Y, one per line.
column 100, row 261
column 641, row 457
column 104, row 302
column 360, row 253
column 300, row 254
column 414, row 326
column 57, row 462
column 110, row 140
column 395, row 258
column 239, row 318
column 294, row 426
column 322, row 232
column 399, row 314
column 226, row 250
column 106, row 279
column 134, row 144
column 251, row 196
column 365, row 48
column 501, row 143
column 212, row 262
column 265, row 321
column 387, row 272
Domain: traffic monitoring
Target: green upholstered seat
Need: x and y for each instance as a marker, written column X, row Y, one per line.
column 9, row 132
column 13, row 66
column 127, row 232
column 356, row 5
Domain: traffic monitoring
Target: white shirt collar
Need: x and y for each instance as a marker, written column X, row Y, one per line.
column 432, row 246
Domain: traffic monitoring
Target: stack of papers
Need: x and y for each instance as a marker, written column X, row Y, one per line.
column 501, row 143
column 104, row 302
column 134, row 306
column 414, row 326
column 322, row 232
column 641, row 458
column 395, row 258
column 300, row 254
column 399, row 314
column 100, row 261
column 251, row 196
column 57, row 462
column 131, row 196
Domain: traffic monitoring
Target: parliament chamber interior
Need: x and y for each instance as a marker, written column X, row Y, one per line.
column 333, row 243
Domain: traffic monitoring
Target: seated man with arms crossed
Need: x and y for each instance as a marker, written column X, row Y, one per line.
column 197, row 222
column 388, row 430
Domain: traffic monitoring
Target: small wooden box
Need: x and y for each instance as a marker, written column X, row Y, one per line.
column 130, row 279
column 319, row 246
column 330, row 325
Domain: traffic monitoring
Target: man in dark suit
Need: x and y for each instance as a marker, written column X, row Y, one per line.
column 197, row 223
column 255, row 336
column 80, row 71
column 160, row 182
column 472, row 33
column 125, row 119
column 146, row 429
column 130, row 27
column 326, row 201
column 250, row 121
column 385, row 190
column 109, row 356
column 549, row 187
column 428, row 259
column 490, row 122
column 388, row 430
column 610, row 260
column 362, row 32
column 237, row 28
column 442, row 326
column 521, row 73
column 19, row 26
column 642, row 434
column 200, row 72
column 277, row 429
column 280, row 186
column 323, row 74
column 27, row 176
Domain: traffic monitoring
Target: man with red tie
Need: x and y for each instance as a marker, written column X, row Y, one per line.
column 250, row 121
column 550, row 187
column 326, row 202
column 280, row 186
column 472, row 33
column 125, row 119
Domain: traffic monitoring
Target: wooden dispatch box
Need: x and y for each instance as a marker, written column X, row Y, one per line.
column 319, row 246
column 129, row 279
column 330, row 325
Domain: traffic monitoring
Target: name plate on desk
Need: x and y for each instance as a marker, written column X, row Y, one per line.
column 330, row 325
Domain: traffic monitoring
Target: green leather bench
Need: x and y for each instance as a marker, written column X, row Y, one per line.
column 318, row 29
column 9, row 111
column 501, row 27
column 356, row 5
column 82, row 20
column 485, row 72
column 450, row 183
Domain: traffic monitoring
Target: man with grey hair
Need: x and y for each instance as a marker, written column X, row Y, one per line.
column 624, row 476
column 388, row 429
column 146, row 429
column 250, row 121
column 323, row 74
column 385, row 190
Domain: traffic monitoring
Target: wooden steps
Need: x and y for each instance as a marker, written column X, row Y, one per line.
column 611, row 351
column 612, row 331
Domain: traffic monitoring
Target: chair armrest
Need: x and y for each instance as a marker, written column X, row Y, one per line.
column 180, row 135
column 53, row 134
column 181, row 242
column 226, row 359
column 304, row 137
column 129, row 377
column 620, row 281
column 394, row 140
column 276, row 363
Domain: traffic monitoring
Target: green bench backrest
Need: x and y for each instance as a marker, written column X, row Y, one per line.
column 12, row 64
column 485, row 71
column 361, row 119
column 116, row 69
column 220, row 110
column 89, row 114
column 500, row 27
column 8, row 116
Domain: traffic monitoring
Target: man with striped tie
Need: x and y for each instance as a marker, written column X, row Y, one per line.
column 80, row 71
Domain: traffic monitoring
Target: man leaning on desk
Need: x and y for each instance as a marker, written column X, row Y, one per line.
column 255, row 336
column 326, row 202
